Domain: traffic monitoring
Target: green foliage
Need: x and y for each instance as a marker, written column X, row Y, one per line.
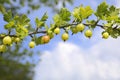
column 39, row 41
column 40, row 23
column 62, row 18
column 65, row 14
column 13, row 63
column 81, row 12
column 44, row 17
column 102, row 10
column 8, row 16
column 10, row 70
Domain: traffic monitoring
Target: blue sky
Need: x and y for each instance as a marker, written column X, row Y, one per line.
column 79, row 58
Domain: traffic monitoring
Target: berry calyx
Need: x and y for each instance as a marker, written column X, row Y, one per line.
column 80, row 27
column 88, row 33
column 65, row 36
column 105, row 35
column 57, row 31
column 32, row 44
column 45, row 39
column 2, row 48
column 7, row 40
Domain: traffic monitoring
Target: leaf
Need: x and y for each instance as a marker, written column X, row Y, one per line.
column 57, row 20
column 113, row 15
column 65, row 14
column 113, row 32
column 44, row 17
column 92, row 22
column 38, row 40
column 10, row 25
column 39, row 23
column 24, row 20
column 88, row 12
column 2, row 9
column 21, row 31
column 46, row 27
column 8, row 16
column 102, row 10
column 62, row 18
column 112, row 8
column 81, row 12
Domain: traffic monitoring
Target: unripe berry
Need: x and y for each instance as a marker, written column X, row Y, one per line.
column 32, row 44
column 17, row 40
column 57, row 31
column 7, row 40
column 105, row 35
column 74, row 30
column 65, row 36
column 88, row 33
column 50, row 33
column 2, row 48
column 80, row 27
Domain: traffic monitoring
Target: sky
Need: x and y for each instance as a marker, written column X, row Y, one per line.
column 80, row 58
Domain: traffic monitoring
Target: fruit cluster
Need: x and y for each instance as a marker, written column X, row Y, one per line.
column 65, row 36
column 7, row 40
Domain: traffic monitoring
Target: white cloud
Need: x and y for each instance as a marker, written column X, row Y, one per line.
column 70, row 62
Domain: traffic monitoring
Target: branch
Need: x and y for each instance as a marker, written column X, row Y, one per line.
column 86, row 24
column 38, row 32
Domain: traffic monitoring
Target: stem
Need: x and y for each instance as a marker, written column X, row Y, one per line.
column 86, row 24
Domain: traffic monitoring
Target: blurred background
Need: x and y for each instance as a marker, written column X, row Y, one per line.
column 77, row 59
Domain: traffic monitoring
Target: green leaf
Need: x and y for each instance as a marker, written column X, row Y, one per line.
column 65, row 14
column 44, row 17
column 2, row 9
column 46, row 27
column 21, row 31
column 57, row 20
column 10, row 25
column 113, row 14
column 92, row 22
column 38, row 40
column 62, row 18
column 102, row 10
column 81, row 12
column 8, row 16
column 113, row 32
column 39, row 23
column 24, row 20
